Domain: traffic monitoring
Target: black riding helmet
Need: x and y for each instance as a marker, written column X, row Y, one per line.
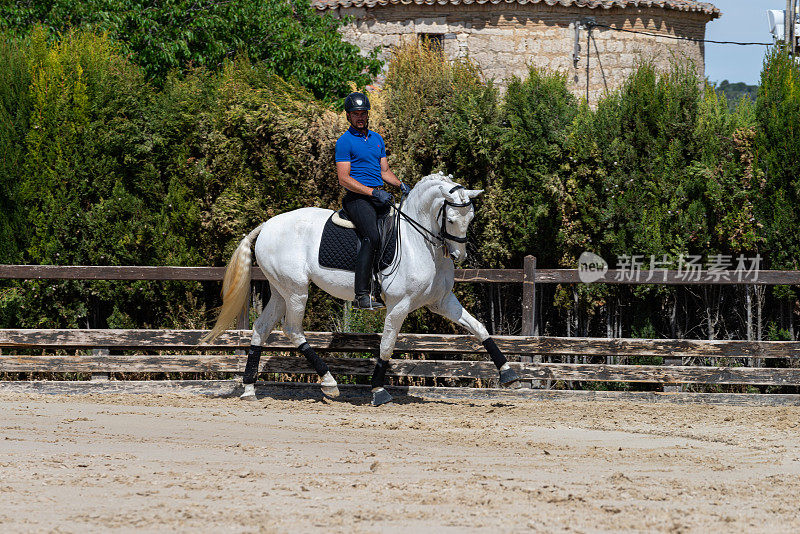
column 356, row 102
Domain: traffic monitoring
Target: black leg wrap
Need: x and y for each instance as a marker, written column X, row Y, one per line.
column 316, row 362
column 508, row 377
column 379, row 374
column 381, row 397
column 251, row 368
column 497, row 356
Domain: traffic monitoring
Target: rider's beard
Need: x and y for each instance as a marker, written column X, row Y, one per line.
column 356, row 124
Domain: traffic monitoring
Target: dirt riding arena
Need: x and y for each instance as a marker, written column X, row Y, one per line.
column 191, row 463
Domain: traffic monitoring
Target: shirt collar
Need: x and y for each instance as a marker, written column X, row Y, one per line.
column 355, row 132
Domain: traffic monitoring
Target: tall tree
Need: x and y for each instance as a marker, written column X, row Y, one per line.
column 289, row 36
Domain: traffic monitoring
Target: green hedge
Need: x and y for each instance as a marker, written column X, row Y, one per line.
column 102, row 166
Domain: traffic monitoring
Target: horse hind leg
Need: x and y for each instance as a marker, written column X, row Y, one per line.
column 270, row 315
column 293, row 328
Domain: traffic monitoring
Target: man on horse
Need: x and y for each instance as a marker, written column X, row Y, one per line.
column 363, row 168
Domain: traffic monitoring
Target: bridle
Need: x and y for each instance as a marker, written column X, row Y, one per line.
column 437, row 240
column 443, row 235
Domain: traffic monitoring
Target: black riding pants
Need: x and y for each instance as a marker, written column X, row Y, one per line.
column 364, row 213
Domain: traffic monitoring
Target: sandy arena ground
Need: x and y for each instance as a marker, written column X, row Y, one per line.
column 189, row 463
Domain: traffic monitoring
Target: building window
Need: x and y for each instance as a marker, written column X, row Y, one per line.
column 433, row 40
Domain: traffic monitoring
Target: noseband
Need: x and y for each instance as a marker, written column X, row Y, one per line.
column 443, row 233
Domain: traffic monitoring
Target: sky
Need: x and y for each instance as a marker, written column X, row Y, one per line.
column 741, row 20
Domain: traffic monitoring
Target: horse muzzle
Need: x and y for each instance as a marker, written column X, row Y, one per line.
column 457, row 256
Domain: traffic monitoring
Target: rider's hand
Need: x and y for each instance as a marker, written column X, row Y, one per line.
column 383, row 197
column 404, row 188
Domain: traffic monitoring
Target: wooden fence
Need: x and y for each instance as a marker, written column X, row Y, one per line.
column 106, row 351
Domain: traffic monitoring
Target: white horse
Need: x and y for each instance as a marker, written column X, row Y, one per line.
column 287, row 247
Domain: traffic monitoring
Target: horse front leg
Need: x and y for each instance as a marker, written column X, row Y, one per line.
column 391, row 327
column 451, row 308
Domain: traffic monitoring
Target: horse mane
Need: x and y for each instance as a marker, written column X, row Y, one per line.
column 437, row 176
column 427, row 186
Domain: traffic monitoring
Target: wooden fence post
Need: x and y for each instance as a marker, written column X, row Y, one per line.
column 101, row 352
column 672, row 388
column 529, row 312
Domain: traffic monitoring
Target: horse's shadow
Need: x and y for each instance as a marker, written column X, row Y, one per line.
column 358, row 395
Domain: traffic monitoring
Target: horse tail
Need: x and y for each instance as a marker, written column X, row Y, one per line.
column 235, row 286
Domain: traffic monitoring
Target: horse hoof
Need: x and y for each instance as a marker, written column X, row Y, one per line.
column 249, row 392
column 330, row 391
column 380, row 396
column 508, row 378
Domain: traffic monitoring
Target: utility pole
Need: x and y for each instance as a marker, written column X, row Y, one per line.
column 788, row 25
column 789, row 20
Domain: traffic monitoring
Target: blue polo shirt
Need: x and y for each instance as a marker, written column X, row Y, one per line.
column 364, row 154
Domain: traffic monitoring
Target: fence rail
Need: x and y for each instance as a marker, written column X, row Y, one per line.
column 44, row 341
column 497, row 276
column 35, row 350
column 130, row 339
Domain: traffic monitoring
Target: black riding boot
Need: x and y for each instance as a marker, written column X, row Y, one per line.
column 364, row 299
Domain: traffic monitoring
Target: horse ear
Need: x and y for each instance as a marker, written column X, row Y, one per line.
column 472, row 193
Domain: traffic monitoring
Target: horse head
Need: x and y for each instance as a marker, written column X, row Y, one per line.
column 450, row 210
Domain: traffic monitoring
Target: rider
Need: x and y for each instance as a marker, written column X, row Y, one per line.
column 362, row 167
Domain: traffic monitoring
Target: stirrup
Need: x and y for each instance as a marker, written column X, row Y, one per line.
column 366, row 302
column 376, row 295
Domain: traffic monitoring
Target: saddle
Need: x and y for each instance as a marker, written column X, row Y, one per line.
column 340, row 244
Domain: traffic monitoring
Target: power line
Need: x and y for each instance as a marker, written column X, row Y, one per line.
column 677, row 37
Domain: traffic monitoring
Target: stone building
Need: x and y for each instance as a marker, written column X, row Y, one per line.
column 504, row 37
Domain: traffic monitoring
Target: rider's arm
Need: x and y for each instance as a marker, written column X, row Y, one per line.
column 348, row 182
column 387, row 174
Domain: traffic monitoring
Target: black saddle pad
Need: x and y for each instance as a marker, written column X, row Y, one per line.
column 339, row 246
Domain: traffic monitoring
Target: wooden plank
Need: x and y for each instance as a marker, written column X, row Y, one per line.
column 401, row 367
column 132, row 272
column 670, row 277
column 182, row 363
column 297, row 390
column 529, row 313
column 543, row 276
column 498, row 276
column 529, row 296
column 555, row 395
column 663, row 374
column 111, row 272
column 672, row 388
column 100, row 354
column 346, row 342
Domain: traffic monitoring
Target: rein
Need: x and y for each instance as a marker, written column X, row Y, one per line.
column 418, row 227
column 434, row 239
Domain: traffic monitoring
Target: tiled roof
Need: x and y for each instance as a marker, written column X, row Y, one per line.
column 678, row 5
